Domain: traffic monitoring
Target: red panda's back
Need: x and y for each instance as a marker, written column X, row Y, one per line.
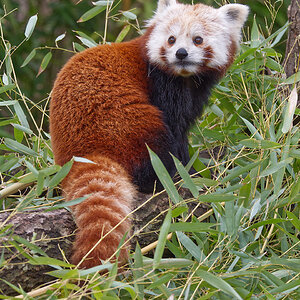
column 95, row 99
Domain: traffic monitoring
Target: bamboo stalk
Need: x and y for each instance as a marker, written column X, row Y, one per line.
column 153, row 245
column 37, row 292
column 15, row 187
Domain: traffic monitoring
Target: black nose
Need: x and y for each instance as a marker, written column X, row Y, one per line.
column 181, row 53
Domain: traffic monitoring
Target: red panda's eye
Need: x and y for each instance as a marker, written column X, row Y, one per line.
column 198, row 40
column 171, row 40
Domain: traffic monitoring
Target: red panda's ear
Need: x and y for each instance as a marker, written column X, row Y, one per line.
column 163, row 4
column 235, row 14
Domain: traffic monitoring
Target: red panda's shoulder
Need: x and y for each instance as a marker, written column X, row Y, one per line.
column 104, row 65
column 110, row 57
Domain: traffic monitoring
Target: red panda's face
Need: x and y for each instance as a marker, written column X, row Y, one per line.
column 188, row 39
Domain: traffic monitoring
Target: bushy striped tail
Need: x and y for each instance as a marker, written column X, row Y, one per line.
column 110, row 193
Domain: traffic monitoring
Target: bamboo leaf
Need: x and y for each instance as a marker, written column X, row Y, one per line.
column 122, row 34
column 29, row 245
column 61, row 174
column 22, row 128
column 218, row 283
column 30, row 56
column 164, row 177
column 65, row 274
column 178, row 211
column 15, row 146
column 7, row 88
column 162, row 280
column 96, row 269
column 217, row 197
column 40, row 184
column 264, row 144
column 169, row 263
column 18, row 135
column 50, row 170
column 21, row 115
column 60, row 37
column 103, row 2
column 45, row 260
column 252, row 129
column 290, row 111
column 78, row 47
column 192, row 227
column 193, row 159
column 190, row 246
column 30, row 26
column 237, row 171
column 294, row 220
column 292, row 264
column 279, row 34
column 31, row 167
column 70, row 203
column 199, row 181
column 272, row 168
column 295, row 284
column 255, row 35
column 44, row 63
column 129, row 15
column 266, row 222
column 8, row 103
column 198, row 164
column 138, row 270
column 91, row 13
column 8, row 164
column 5, row 79
column 162, row 239
column 87, row 42
column 250, row 143
column 186, row 177
column 292, row 79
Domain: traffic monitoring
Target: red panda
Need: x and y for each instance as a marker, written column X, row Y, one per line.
column 110, row 101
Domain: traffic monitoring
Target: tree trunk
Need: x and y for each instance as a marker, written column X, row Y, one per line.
column 53, row 232
column 292, row 60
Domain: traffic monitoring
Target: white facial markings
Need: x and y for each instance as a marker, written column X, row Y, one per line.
column 217, row 27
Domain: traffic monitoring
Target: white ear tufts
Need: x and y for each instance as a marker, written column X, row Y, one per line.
column 236, row 14
column 163, row 4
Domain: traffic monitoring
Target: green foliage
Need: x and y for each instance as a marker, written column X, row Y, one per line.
column 249, row 246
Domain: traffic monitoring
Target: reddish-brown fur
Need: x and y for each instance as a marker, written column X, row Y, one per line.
column 99, row 110
column 106, row 208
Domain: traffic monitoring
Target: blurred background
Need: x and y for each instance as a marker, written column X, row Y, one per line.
column 56, row 17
